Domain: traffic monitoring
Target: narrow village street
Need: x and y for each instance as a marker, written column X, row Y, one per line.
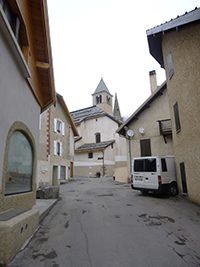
column 100, row 222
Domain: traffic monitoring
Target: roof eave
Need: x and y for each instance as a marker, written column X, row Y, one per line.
column 155, row 34
column 121, row 130
column 64, row 106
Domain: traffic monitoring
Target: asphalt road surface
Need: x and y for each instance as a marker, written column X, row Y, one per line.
column 99, row 222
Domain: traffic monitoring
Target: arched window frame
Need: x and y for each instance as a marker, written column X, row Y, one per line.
column 100, row 99
column 19, row 126
column 98, row 137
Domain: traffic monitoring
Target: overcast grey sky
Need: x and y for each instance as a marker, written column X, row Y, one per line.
column 107, row 38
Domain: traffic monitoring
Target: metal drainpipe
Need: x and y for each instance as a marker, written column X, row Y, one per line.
column 130, row 159
column 103, row 162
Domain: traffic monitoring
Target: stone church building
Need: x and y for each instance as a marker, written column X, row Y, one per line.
column 99, row 150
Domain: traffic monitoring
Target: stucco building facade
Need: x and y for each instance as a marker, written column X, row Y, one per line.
column 100, row 152
column 175, row 45
column 151, row 127
column 25, row 61
column 56, row 145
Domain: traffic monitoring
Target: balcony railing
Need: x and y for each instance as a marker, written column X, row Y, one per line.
column 165, row 127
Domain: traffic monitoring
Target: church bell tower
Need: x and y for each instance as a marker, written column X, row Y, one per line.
column 102, row 98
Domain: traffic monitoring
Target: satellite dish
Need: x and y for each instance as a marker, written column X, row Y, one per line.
column 142, row 130
column 130, row 133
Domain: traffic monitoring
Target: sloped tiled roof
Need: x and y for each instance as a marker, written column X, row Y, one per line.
column 155, row 34
column 82, row 114
column 94, row 146
column 121, row 130
column 101, row 88
column 65, row 108
column 186, row 18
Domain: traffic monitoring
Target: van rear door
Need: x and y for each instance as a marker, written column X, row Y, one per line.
column 138, row 173
column 151, row 176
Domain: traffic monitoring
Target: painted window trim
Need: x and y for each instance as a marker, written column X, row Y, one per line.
column 19, row 126
column 13, row 44
column 56, row 150
column 62, row 125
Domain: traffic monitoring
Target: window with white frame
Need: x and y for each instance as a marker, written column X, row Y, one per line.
column 59, row 127
column 57, row 148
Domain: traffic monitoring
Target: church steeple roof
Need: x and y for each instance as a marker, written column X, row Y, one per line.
column 116, row 111
column 101, row 88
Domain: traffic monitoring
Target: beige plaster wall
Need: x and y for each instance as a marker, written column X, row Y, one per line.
column 17, row 107
column 113, row 157
column 158, row 110
column 104, row 106
column 89, row 167
column 67, row 145
column 184, row 88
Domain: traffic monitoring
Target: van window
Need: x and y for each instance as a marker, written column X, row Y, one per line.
column 139, row 165
column 145, row 165
column 164, row 165
column 150, row 165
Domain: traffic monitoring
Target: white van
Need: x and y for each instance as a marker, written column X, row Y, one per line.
column 154, row 174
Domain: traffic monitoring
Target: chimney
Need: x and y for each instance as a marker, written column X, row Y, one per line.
column 153, row 80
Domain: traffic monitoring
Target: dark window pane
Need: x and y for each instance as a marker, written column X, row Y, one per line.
column 20, row 165
column 164, row 165
column 98, row 138
column 139, row 165
column 150, row 165
column 183, row 177
column 90, row 155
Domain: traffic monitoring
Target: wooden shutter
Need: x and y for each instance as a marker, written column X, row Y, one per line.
column 177, row 119
column 170, row 66
column 66, row 173
column 60, row 149
column 145, row 147
column 55, row 147
column 63, row 128
column 58, row 172
column 55, row 125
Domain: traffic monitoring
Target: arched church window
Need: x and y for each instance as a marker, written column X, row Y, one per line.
column 98, row 137
column 108, row 100
column 20, row 165
column 100, row 99
column 97, row 100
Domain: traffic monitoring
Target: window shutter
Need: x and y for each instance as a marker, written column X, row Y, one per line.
column 55, row 147
column 58, row 172
column 145, row 147
column 60, row 149
column 55, row 124
column 170, row 66
column 177, row 119
column 66, row 173
column 63, row 128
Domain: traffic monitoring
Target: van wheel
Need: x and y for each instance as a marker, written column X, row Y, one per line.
column 144, row 192
column 173, row 190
